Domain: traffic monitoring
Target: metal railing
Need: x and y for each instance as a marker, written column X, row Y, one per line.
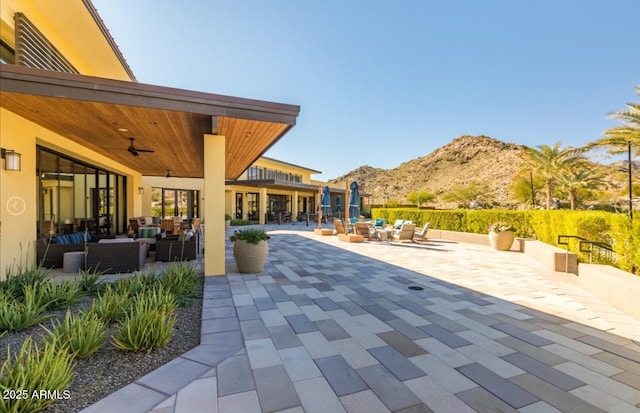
column 586, row 246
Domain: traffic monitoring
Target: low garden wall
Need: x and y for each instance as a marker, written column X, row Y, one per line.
column 614, row 286
column 618, row 288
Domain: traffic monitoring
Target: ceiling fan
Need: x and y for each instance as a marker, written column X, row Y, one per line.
column 136, row 151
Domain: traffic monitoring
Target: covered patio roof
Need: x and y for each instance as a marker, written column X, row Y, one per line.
column 102, row 114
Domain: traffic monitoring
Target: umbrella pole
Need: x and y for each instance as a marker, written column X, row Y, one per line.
column 319, row 206
column 346, row 205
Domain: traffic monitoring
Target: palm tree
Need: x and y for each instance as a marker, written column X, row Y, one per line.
column 621, row 139
column 548, row 161
column 585, row 176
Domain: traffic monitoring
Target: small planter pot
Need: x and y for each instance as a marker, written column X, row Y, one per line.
column 227, row 224
column 250, row 258
column 502, row 241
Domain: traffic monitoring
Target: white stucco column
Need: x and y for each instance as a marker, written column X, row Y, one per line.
column 263, row 206
column 231, row 210
column 294, row 206
column 214, row 231
column 245, row 205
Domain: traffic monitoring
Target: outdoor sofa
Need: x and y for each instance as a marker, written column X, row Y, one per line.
column 109, row 255
column 172, row 248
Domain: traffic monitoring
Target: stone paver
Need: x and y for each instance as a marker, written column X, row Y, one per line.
column 332, row 326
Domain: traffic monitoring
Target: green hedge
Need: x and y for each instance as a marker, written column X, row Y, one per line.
column 614, row 229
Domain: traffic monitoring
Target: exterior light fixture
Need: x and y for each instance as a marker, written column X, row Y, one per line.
column 168, row 173
column 141, row 190
column 11, row 159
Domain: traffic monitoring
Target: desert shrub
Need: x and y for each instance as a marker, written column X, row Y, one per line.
column 240, row 222
column 181, row 280
column 48, row 368
column 81, row 335
column 156, row 297
column 111, row 304
column 62, row 295
column 150, row 324
column 90, row 281
column 18, row 314
column 18, row 277
column 130, row 285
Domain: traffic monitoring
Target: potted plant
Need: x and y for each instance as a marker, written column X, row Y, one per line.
column 501, row 235
column 227, row 221
column 250, row 249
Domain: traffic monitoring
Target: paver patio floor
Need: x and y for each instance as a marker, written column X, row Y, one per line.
column 330, row 326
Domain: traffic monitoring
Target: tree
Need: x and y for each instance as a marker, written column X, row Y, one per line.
column 621, row 139
column 583, row 177
column 547, row 162
column 521, row 188
column 472, row 191
column 420, row 197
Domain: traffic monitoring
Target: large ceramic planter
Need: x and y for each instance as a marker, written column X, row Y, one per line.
column 250, row 258
column 502, row 241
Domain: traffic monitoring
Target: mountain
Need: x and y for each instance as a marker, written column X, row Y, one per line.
column 465, row 159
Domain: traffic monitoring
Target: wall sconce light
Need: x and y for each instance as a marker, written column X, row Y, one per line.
column 141, row 190
column 11, row 159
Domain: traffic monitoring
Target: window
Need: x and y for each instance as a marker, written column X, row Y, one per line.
column 256, row 172
column 170, row 202
column 7, row 55
column 74, row 196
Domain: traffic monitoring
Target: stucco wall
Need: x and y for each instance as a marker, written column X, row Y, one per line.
column 18, row 190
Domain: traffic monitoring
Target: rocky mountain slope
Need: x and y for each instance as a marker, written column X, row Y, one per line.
column 465, row 159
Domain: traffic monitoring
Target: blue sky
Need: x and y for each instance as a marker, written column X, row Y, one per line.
column 383, row 82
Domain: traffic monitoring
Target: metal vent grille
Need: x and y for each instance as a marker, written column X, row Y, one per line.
column 34, row 50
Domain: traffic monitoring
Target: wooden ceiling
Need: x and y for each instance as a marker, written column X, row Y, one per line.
column 102, row 115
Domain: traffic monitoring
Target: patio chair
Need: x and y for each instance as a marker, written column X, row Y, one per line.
column 363, row 228
column 398, row 224
column 405, row 233
column 337, row 224
column 379, row 223
column 422, row 235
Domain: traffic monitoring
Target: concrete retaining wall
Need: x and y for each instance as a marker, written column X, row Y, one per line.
column 553, row 258
column 619, row 288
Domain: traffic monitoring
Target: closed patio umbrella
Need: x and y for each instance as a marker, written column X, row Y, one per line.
column 354, row 200
column 326, row 201
column 338, row 204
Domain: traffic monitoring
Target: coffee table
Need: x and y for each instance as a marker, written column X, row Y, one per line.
column 383, row 234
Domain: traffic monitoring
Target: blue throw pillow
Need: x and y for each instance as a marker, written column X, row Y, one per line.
column 380, row 222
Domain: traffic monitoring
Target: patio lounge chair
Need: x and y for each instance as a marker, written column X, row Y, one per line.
column 422, row 235
column 363, row 228
column 337, row 224
column 405, row 233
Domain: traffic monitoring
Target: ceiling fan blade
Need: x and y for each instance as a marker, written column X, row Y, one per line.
column 135, row 151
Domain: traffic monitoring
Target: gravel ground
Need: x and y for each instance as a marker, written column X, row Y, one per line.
column 110, row 369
